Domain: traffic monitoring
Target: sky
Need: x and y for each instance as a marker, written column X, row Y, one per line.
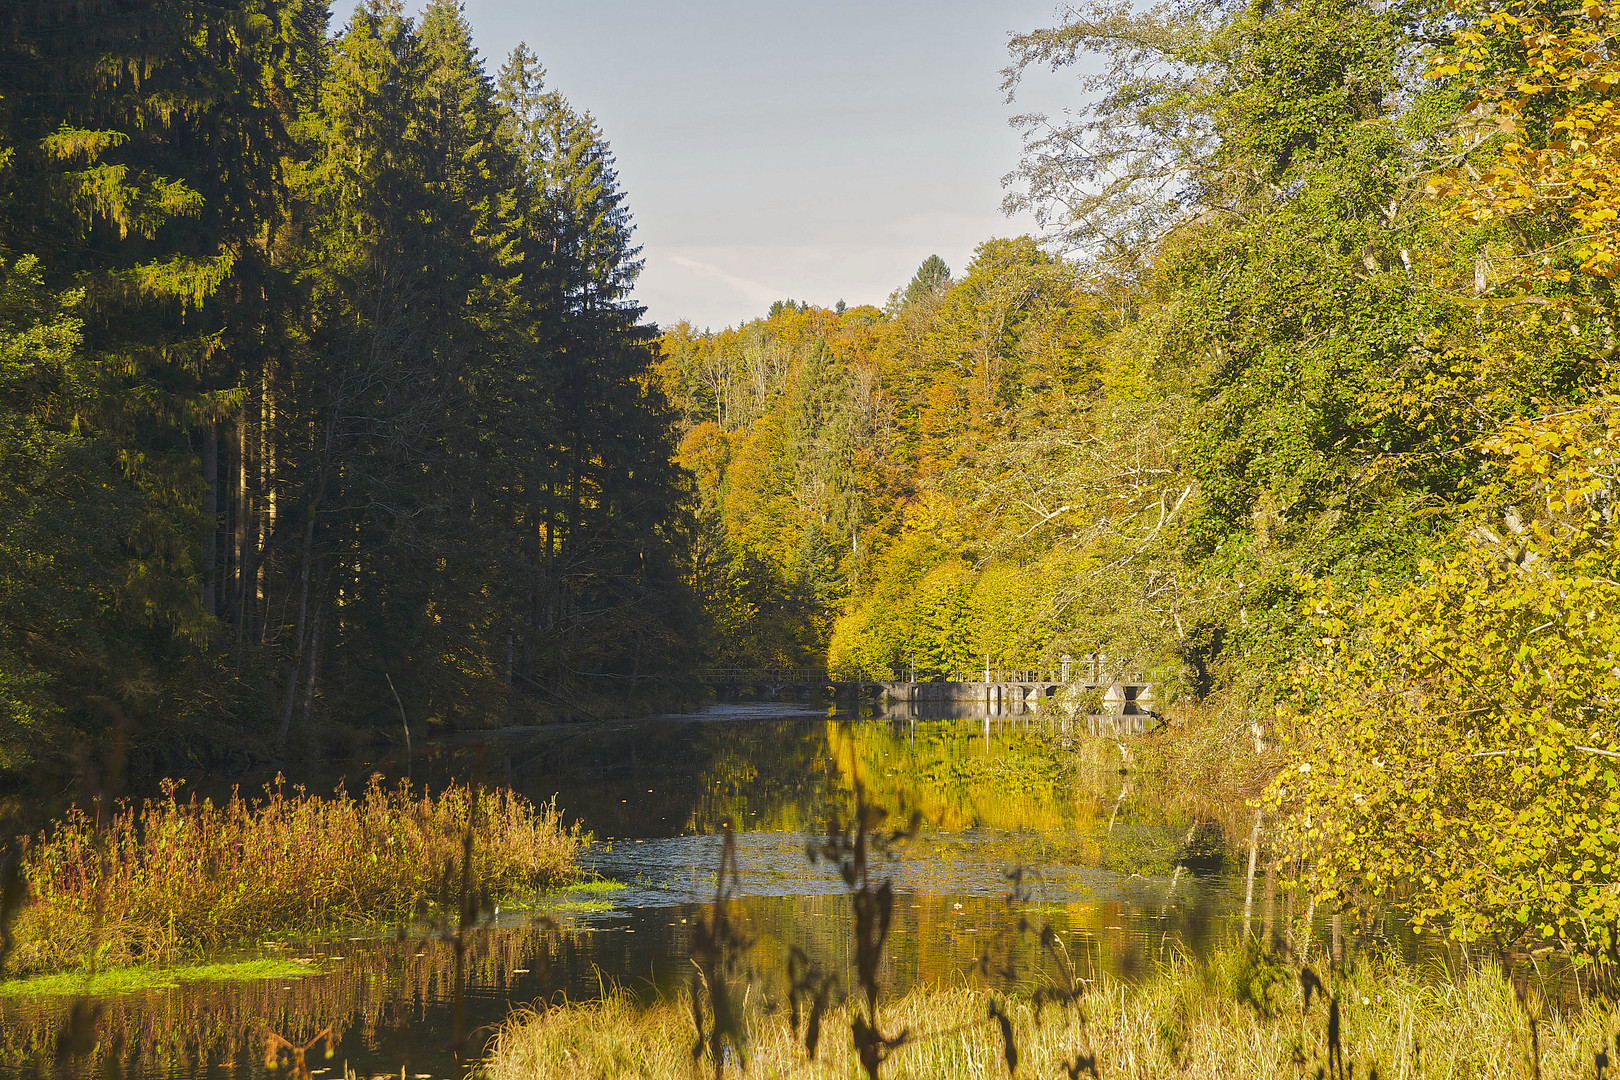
column 776, row 151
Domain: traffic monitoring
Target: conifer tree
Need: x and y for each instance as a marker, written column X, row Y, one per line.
column 606, row 594
column 142, row 147
column 319, row 374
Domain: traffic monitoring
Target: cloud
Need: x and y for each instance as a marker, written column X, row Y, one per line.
column 753, row 290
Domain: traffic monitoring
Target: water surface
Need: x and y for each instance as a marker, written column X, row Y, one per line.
column 1012, row 831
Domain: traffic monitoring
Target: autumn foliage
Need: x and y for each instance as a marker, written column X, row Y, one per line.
column 169, row 877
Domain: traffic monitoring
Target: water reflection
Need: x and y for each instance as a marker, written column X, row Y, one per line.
column 385, row 1001
column 675, row 776
column 1006, row 794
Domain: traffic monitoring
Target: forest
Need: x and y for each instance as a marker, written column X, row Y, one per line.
column 327, row 413
column 330, row 421
column 324, row 403
column 1307, row 396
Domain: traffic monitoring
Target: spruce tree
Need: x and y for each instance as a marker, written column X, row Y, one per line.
column 142, row 145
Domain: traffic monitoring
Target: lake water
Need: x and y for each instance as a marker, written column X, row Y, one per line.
column 1012, row 831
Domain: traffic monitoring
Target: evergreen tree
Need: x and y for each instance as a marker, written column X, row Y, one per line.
column 142, row 145
column 318, row 376
column 606, row 591
column 932, row 278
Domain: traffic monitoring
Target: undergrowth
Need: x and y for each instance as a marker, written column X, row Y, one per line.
column 166, row 878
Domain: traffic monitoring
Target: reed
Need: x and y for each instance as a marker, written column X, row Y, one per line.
column 1194, row 1020
column 165, row 878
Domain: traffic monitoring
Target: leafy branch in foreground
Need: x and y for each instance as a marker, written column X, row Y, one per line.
column 1456, row 741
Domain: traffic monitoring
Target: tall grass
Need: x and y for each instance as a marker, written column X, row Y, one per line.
column 1200, row 1021
column 166, row 877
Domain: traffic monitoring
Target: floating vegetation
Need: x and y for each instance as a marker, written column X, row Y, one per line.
column 129, row 979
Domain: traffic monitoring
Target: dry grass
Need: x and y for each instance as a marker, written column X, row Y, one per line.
column 1188, row 1020
column 167, row 877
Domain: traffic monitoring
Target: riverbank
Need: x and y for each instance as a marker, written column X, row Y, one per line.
column 169, row 878
column 1236, row 1015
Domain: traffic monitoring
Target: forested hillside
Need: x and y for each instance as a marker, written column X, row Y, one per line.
column 322, row 394
column 1301, row 268
column 1308, row 394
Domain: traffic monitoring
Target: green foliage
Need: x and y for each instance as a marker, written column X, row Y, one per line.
column 827, row 444
column 1454, row 742
column 320, row 372
column 932, row 278
column 1332, row 328
column 63, row 508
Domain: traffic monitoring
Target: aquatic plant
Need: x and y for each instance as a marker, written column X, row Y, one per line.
column 168, row 877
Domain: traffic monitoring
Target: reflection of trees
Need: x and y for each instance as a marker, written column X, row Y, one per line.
column 933, row 941
column 775, row 775
column 363, row 992
column 762, row 774
column 1021, row 779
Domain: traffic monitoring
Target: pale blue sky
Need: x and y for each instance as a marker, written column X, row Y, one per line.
column 814, row 151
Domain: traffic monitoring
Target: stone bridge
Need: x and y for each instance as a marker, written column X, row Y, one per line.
column 1129, row 695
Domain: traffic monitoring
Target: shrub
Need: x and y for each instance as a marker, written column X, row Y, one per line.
column 167, row 877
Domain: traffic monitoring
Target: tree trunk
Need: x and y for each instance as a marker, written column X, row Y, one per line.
column 1248, row 896
column 210, row 552
column 1268, row 917
column 243, row 525
column 267, row 487
column 290, row 695
column 314, row 669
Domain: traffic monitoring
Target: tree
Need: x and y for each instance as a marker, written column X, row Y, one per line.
column 1454, row 741
column 64, row 512
column 932, row 278
column 1543, row 116
column 606, row 531
column 142, row 145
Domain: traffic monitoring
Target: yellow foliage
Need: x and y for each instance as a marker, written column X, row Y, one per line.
column 1455, row 741
column 1554, row 104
